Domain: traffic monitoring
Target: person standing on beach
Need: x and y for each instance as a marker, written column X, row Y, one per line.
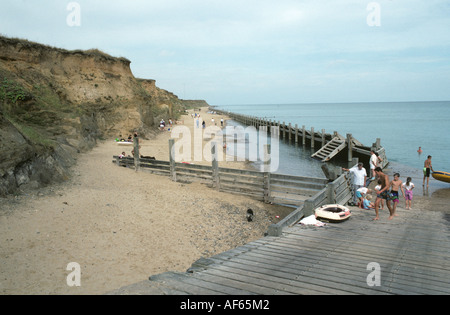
column 359, row 178
column 427, row 168
column 396, row 185
column 383, row 193
column 373, row 164
column 408, row 186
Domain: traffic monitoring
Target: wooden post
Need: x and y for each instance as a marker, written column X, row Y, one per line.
column 313, row 140
column 215, row 165
column 290, row 132
column 296, row 133
column 350, row 147
column 137, row 162
column 279, row 129
column 308, row 207
column 378, row 144
column 303, row 135
column 266, row 170
column 173, row 172
column 331, row 192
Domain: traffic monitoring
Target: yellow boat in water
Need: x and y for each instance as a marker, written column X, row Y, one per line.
column 442, row 176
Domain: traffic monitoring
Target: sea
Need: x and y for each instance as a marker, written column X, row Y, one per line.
column 403, row 127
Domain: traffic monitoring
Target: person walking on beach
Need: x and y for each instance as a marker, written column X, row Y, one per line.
column 359, row 178
column 383, row 193
column 427, row 168
column 408, row 186
column 395, row 186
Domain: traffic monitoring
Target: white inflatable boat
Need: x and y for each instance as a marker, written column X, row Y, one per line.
column 333, row 213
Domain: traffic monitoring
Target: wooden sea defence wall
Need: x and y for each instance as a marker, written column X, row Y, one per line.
column 332, row 145
column 303, row 193
column 263, row 186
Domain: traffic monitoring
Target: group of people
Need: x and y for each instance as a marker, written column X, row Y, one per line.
column 386, row 190
column 203, row 122
column 162, row 124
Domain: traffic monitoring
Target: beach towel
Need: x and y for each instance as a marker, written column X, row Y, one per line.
column 311, row 220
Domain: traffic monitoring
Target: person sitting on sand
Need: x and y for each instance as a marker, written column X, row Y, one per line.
column 360, row 194
column 367, row 204
column 121, row 156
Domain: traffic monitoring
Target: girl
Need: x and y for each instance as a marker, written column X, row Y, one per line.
column 408, row 193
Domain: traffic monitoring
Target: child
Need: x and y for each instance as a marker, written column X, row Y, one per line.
column 408, row 186
column 396, row 185
column 360, row 193
column 378, row 188
column 367, row 204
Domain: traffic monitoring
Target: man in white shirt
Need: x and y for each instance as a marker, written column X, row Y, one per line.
column 373, row 163
column 359, row 178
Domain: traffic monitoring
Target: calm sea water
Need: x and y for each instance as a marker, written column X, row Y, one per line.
column 401, row 126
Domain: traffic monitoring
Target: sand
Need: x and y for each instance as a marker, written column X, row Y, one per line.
column 119, row 225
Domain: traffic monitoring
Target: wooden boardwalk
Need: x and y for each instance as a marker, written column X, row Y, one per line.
column 413, row 252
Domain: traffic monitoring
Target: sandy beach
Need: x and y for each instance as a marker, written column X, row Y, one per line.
column 122, row 226
column 119, row 225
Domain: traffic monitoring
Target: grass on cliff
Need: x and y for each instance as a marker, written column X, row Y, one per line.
column 31, row 134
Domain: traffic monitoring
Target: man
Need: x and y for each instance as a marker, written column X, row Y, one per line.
column 383, row 193
column 373, row 164
column 359, row 178
column 427, row 168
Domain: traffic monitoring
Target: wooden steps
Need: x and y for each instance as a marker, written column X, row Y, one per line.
column 328, row 151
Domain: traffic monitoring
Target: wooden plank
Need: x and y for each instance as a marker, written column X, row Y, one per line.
column 178, row 281
column 294, row 187
column 276, row 281
column 344, row 265
column 299, row 178
column 240, row 172
column 332, row 267
column 344, row 284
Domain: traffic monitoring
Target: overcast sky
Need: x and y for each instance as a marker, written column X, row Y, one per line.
column 257, row 51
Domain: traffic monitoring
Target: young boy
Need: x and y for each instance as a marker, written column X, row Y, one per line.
column 395, row 185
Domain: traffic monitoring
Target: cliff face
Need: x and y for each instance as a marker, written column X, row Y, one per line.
column 55, row 103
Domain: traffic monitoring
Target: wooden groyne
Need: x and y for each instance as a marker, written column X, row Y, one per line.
column 288, row 190
column 324, row 146
column 303, row 193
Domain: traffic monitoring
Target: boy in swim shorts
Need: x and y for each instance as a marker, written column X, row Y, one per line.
column 427, row 168
column 395, row 185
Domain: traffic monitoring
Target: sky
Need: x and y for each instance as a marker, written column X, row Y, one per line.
column 258, row 51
